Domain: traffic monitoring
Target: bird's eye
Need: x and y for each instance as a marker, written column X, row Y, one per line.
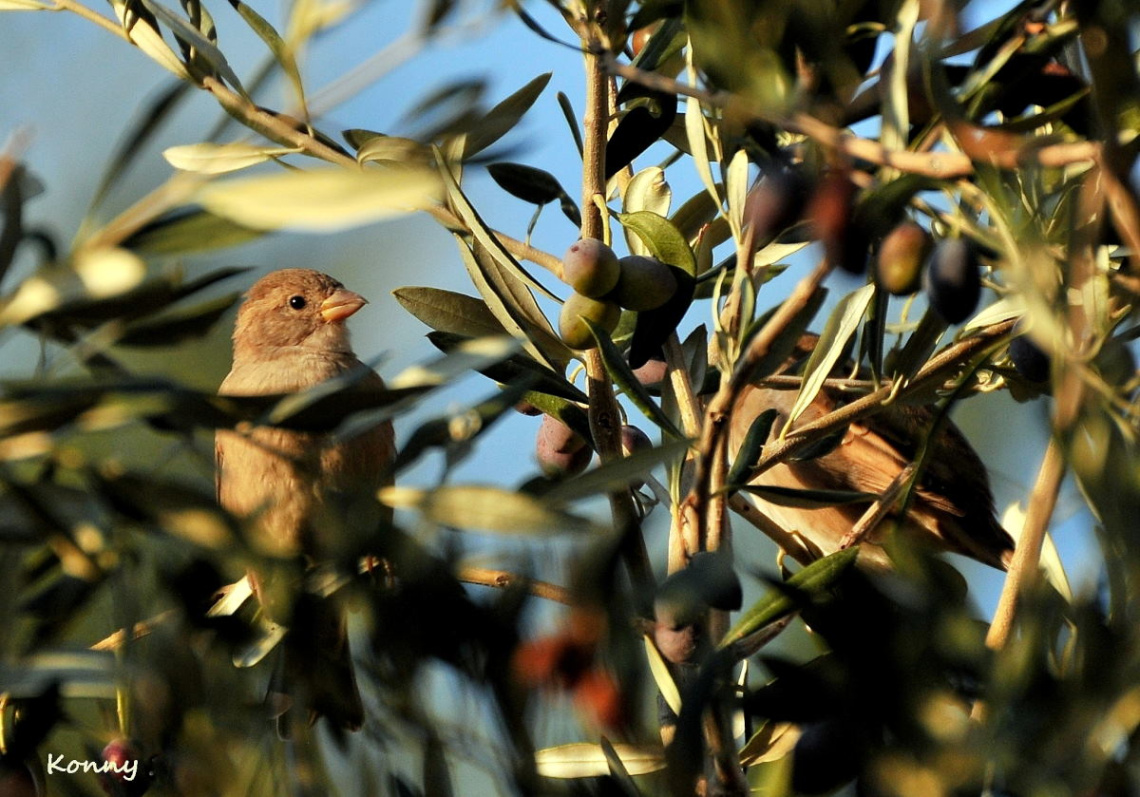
column 297, row 302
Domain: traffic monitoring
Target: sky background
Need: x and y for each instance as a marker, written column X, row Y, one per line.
column 74, row 90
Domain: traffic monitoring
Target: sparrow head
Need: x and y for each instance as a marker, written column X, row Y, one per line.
column 295, row 308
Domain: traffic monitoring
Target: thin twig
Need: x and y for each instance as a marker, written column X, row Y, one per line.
column 604, row 413
column 943, row 165
column 1024, row 568
column 503, row 579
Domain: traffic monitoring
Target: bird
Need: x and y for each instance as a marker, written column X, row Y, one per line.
column 288, row 485
column 951, row 509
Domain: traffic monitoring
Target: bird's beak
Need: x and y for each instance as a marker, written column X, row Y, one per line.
column 341, row 305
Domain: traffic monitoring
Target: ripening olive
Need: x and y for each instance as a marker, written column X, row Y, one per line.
column 775, row 203
column 591, row 268
column 573, row 329
column 560, row 450
column 645, row 283
column 952, row 280
column 901, row 257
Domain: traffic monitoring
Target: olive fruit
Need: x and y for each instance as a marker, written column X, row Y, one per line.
column 1028, row 359
column 652, row 373
column 560, row 450
column 952, row 280
column 645, row 283
column 127, row 773
column 775, row 203
column 575, row 333
column 591, row 268
column 901, row 257
column 830, row 210
column 632, row 441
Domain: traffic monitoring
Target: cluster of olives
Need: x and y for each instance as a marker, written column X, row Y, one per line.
column 951, row 278
column 604, row 284
column 562, row 452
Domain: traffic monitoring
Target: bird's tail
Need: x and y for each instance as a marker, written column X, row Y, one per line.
column 317, row 675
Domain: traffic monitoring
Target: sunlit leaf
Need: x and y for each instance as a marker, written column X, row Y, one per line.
column 585, row 760
column 806, row 498
column 841, row 325
column 818, row 577
column 221, row 158
column 484, row 508
column 459, row 361
column 321, row 200
column 616, row 474
column 662, row 677
column 203, row 47
column 663, row 240
column 516, row 369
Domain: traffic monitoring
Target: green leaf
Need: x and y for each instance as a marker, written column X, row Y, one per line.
column 468, row 356
column 513, row 306
column 616, row 474
column 699, row 147
column 357, row 137
column 143, row 33
column 204, row 48
column 517, row 368
column 501, row 119
column 165, row 330
column 447, row 311
column 624, row 378
column 277, row 46
column 380, row 148
column 664, row 241
column 751, row 448
column 815, row 579
column 487, row 240
column 484, row 508
column 26, row 5
column 662, row 677
column 586, row 760
column 807, row 499
column 321, row 200
column 694, row 214
column 171, row 507
column 840, row 326
column 189, row 231
column 209, row 158
column 526, row 182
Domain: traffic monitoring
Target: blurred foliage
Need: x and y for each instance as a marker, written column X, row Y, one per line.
column 1013, row 144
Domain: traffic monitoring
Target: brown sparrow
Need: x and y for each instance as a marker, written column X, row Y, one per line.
column 951, row 508
column 290, row 335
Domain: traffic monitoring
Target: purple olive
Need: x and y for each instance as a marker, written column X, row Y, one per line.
column 560, row 450
column 1029, row 360
column 952, row 280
